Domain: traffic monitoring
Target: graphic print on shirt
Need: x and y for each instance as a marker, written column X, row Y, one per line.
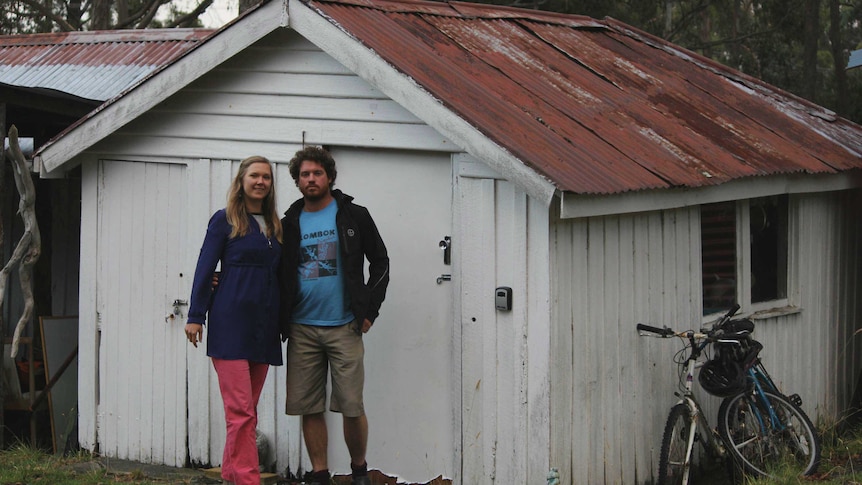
column 320, row 258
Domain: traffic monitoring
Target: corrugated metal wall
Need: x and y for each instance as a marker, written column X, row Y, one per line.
column 611, row 390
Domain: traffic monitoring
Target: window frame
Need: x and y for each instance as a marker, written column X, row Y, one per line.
column 743, row 266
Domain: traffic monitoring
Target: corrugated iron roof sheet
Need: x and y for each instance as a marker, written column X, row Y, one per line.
column 597, row 106
column 96, row 65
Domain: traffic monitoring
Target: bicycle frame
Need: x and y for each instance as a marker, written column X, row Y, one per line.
column 762, row 381
column 698, row 418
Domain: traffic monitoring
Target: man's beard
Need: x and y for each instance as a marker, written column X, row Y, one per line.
column 320, row 195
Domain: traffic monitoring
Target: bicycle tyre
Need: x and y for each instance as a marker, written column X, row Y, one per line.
column 674, row 447
column 793, row 449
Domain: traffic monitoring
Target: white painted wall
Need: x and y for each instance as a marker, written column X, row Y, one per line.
column 612, row 390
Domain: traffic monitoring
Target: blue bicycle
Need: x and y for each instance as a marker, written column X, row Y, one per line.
column 764, row 430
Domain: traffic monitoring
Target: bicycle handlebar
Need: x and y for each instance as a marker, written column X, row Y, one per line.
column 664, row 332
column 667, row 332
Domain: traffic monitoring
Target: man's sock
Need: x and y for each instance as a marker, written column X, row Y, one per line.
column 359, row 471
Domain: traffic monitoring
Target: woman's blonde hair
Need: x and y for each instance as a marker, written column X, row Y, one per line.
column 237, row 215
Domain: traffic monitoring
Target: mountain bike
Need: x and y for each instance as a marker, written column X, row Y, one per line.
column 760, row 430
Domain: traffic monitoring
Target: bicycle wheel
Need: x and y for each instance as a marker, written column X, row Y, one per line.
column 784, row 445
column 672, row 462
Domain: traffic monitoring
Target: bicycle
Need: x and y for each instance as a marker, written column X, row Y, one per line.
column 760, row 430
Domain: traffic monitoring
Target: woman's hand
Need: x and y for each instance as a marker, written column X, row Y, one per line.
column 195, row 333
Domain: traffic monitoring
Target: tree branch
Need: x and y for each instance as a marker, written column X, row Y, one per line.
column 47, row 12
column 151, row 13
column 140, row 13
column 191, row 16
column 734, row 40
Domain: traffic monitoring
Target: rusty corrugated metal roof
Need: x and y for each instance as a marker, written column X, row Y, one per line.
column 96, row 65
column 597, row 106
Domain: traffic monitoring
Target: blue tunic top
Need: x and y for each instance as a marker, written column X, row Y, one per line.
column 243, row 309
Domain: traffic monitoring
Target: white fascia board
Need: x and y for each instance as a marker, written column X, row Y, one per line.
column 575, row 206
column 402, row 89
column 117, row 113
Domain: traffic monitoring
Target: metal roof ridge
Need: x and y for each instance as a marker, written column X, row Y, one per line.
column 468, row 10
column 106, row 36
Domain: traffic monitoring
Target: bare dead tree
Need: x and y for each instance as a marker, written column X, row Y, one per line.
column 30, row 245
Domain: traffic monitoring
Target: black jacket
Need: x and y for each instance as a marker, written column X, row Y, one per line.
column 358, row 239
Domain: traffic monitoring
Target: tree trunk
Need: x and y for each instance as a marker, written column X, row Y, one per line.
column 809, row 55
column 839, row 60
column 101, row 15
column 29, row 247
column 122, row 11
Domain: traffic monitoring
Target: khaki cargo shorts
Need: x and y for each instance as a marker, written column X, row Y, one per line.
column 314, row 350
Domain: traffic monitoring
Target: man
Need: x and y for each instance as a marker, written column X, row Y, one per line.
column 327, row 305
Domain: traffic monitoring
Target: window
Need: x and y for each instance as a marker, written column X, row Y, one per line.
column 744, row 254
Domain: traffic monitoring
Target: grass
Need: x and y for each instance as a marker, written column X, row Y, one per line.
column 840, row 464
column 25, row 465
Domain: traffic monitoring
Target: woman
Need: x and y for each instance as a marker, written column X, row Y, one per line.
column 243, row 333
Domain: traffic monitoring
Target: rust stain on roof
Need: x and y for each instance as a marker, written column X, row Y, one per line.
column 597, row 106
column 96, row 65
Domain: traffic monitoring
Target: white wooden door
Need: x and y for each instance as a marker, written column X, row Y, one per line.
column 502, row 243
column 409, row 358
column 141, row 227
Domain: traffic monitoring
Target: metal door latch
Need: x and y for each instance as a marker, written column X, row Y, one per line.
column 178, row 312
column 443, row 277
column 446, row 246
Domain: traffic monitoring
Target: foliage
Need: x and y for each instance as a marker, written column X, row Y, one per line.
column 39, row 16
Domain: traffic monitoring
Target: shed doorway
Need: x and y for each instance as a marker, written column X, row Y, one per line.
column 141, row 369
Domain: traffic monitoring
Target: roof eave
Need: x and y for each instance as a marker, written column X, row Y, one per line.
column 591, row 205
column 117, row 112
column 367, row 64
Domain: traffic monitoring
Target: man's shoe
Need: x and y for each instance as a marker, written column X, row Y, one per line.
column 363, row 480
column 317, row 478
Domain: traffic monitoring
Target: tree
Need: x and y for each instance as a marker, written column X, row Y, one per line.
column 34, row 16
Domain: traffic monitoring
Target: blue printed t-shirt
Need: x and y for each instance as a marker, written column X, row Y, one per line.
column 322, row 299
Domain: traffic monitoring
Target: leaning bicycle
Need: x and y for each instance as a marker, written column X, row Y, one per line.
column 760, row 430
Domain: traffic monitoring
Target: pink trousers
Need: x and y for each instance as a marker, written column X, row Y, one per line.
column 241, row 383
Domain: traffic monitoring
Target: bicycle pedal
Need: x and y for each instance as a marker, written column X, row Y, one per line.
column 795, row 399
